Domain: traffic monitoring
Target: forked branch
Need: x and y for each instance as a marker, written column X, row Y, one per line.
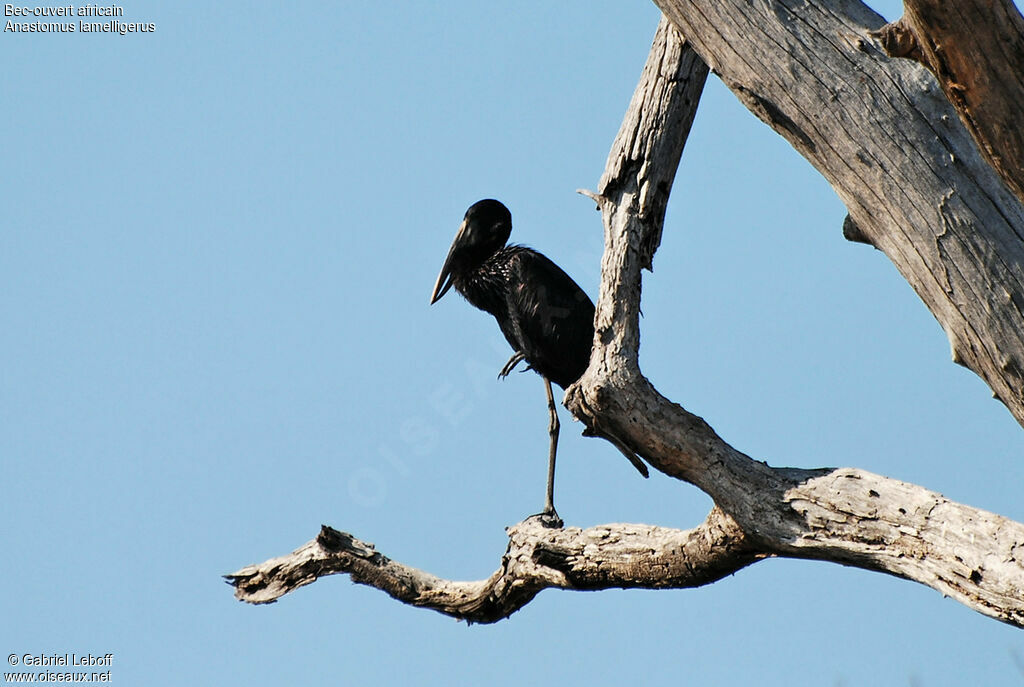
column 841, row 515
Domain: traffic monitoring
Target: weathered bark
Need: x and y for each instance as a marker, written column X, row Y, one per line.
column 892, row 146
column 975, row 48
column 650, row 141
column 608, row 556
column 848, row 516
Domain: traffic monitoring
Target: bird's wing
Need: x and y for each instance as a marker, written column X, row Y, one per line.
column 551, row 317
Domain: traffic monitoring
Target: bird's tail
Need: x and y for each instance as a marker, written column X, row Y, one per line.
column 632, row 457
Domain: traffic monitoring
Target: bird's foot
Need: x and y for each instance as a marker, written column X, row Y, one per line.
column 549, row 519
column 511, row 364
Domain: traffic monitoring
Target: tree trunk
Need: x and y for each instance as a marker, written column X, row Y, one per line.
column 976, row 50
column 893, row 147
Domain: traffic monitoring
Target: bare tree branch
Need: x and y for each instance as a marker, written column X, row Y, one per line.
column 846, row 516
column 603, row 557
column 646, row 151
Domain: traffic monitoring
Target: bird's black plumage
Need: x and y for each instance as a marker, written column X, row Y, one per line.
column 542, row 312
column 545, row 316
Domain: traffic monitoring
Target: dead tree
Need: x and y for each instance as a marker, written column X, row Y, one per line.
column 917, row 126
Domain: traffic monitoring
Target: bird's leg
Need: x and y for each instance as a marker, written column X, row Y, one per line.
column 511, row 364
column 549, row 502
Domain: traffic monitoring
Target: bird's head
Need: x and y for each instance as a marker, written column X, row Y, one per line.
column 484, row 230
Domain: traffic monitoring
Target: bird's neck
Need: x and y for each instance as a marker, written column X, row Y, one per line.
column 485, row 285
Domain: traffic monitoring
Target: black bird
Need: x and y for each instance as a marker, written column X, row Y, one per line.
column 545, row 316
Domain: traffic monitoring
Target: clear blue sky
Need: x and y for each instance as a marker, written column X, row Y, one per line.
column 218, row 244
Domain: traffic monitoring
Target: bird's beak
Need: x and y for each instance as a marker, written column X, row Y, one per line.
column 444, row 279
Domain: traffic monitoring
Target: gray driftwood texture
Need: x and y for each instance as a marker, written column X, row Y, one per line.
column 883, row 133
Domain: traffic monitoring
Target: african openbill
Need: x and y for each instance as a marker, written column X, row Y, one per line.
column 545, row 316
